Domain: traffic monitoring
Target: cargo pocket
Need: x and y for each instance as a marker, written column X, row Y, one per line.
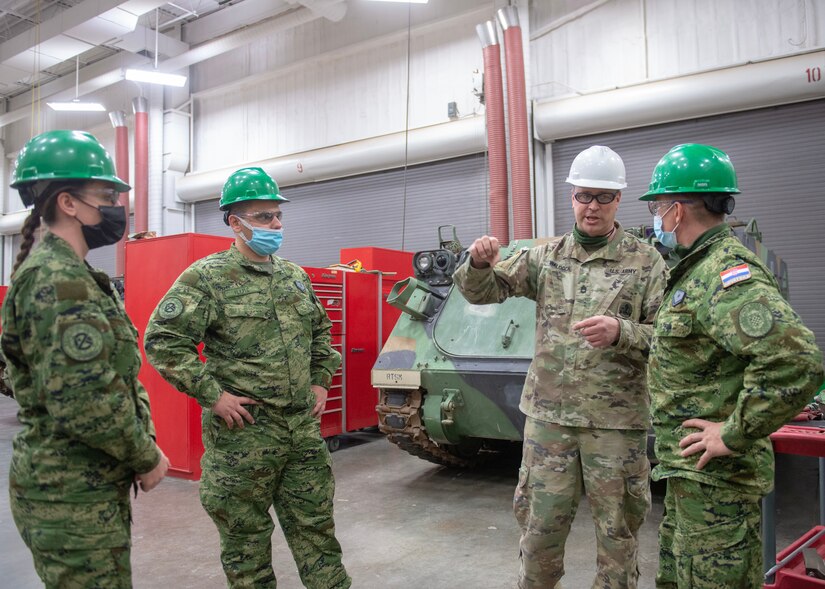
column 724, row 555
column 79, row 526
column 521, row 498
column 637, row 498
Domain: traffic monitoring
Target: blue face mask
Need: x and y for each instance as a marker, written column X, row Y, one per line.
column 264, row 241
column 666, row 238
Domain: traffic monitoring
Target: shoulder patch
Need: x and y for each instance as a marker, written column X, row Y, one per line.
column 735, row 275
column 71, row 290
column 82, row 342
column 189, row 277
column 755, row 319
column 170, row 307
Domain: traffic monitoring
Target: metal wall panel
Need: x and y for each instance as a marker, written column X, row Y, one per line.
column 777, row 153
column 625, row 42
column 338, row 96
column 369, row 210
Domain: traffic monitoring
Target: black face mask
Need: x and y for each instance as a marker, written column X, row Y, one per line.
column 110, row 230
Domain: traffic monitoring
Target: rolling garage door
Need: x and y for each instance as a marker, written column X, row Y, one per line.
column 779, row 155
column 369, row 210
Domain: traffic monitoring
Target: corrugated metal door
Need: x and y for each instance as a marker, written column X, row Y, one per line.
column 372, row 210
column 778, row 155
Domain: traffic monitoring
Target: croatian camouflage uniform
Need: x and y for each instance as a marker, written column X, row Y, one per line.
column 266, row 337
column 730, row 351
column 73, row 359
column 586, row 408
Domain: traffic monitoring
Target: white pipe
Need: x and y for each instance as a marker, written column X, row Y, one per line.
column 329, row 9
column 734, row 89
column 11, row 223
column 560, row 22
column 240, row 38
column 426, row 144
column 156, row 151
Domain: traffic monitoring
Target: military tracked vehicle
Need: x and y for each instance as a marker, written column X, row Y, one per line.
column 451, row 373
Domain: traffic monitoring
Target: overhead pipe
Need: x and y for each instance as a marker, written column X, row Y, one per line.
column 496, row 138
column 245, row 36
column 141, row 187
column 118, row 119
column 386, row 152
column 517, row 119
column 761, row 84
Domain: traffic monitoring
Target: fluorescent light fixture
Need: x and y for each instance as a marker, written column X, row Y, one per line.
column 155, row 77
column 76, row 106
column 404, row 1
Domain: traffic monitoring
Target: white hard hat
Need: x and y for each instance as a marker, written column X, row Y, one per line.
column 598, row 167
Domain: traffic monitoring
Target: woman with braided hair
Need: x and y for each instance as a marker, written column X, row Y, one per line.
column 73, row 360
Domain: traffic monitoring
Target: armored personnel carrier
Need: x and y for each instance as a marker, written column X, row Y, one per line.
column 450, row 374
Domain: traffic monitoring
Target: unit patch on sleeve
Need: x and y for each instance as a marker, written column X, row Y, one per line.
column 734, row 275
column 755, row 319
column 82, row 342
column 170, row 308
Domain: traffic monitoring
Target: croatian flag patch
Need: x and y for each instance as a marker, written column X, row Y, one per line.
column 736, row 274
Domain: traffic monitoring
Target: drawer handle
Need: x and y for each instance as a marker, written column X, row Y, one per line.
column 356, row 350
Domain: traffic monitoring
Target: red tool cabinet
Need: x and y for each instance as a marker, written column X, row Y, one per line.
column 354, row 301
column 152, row 265
column 789, row 572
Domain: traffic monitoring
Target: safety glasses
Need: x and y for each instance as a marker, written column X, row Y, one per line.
column 263, row 217
column 603, row 198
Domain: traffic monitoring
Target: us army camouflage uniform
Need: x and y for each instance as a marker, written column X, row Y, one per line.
column 587, row 408
column 266, row 337
column 739, row 355
column 73, row 360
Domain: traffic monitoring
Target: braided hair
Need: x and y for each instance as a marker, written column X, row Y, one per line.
column 45, row 207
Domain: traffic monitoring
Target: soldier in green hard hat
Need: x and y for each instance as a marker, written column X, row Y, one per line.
column 73, row 360
column 730, row 362
column 263, row 388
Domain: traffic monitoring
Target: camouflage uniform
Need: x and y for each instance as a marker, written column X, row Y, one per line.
column 73, row 360
column 266, row 337
column 734, row 353
column 587, row 408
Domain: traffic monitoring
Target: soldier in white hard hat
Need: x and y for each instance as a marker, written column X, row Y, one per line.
column 597, row 291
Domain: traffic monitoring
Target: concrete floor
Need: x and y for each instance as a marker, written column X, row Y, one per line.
column 402, row 522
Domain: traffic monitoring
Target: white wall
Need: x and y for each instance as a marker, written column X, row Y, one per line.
column 624, row 42
column 323, row 94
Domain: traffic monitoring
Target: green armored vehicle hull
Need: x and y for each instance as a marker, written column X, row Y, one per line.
column 450, row 375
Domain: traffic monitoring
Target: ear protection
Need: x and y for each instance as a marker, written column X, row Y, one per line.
column 720, row 203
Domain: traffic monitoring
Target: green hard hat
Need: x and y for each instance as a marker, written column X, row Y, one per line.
column 63, row 155
column 692, row 167
column 249, row 184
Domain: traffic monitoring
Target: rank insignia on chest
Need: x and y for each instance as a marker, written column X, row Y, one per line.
column 678, row 297
column 300, row 286
column 735, row 275
column 625, row 310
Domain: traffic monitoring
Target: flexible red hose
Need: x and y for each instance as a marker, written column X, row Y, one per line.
column 496, row 144
column 519, row 146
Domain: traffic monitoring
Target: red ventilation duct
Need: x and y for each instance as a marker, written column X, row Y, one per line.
column 496, row 139
column 141, row 187
column 517, row 118
column 118, row 118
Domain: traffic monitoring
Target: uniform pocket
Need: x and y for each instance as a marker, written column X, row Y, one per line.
column 248, row 311
column 521, row 498
column 677, row 325
column 637, row 498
